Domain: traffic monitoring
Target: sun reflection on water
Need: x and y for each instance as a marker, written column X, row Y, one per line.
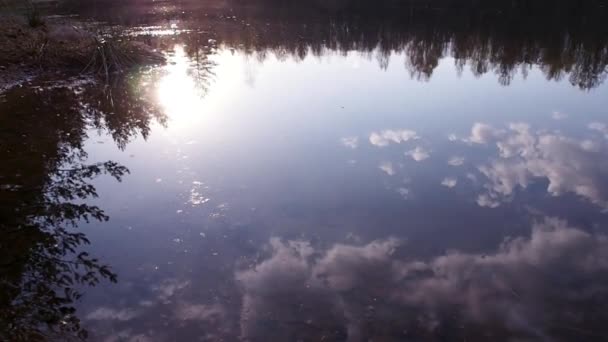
column 189, row 93
column 177, row 91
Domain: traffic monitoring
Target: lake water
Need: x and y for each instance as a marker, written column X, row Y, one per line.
column 300, row 177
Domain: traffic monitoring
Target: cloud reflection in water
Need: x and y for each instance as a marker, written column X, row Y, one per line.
column 569, row 165
column 537, row 287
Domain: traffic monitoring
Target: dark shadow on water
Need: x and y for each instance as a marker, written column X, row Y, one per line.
column 45, row 181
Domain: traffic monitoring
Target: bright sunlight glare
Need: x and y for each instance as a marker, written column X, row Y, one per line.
column 188, row 96
column 177, row 90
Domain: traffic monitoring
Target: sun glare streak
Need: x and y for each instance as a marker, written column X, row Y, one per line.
column 187, row 100
column 177, row 91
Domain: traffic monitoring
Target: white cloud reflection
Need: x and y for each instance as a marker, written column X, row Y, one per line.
column 388, row 168
column 199, row 312
column 386, row 137
column 404, row 192
column 567, row 164
column 456, row 161
column 418, row 154
column 351, row 142
column 106, row 313
column 519, row 289
column 168, row 300
column 449, row 182
column 559, row 115
column 482, row 133
column 599, row 127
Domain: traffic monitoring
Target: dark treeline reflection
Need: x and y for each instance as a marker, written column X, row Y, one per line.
column 561, row 47
column 565, row 42
column 44, row 180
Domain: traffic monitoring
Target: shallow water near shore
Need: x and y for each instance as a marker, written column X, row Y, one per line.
column 324, row 178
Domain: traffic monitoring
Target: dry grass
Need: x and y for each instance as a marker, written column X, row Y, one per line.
column 68, row 48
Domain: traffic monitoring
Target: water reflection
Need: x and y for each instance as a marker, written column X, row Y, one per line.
column 511, row 159
column 45, row 190
column 567, row 164
column 561, row 45
column 541, row 287
column 276, row 205
column 387, row 137
column 181, row 90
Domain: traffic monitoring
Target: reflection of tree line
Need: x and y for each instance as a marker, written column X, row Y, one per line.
column 575, row 48
column 201, row 66
column 566, row 39
column 44, row 182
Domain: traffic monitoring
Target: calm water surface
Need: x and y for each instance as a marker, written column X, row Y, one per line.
column 327, row 180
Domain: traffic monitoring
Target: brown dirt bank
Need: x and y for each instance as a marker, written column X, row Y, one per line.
column 67, row 48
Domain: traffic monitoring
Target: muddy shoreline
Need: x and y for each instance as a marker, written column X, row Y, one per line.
column 66, row 47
